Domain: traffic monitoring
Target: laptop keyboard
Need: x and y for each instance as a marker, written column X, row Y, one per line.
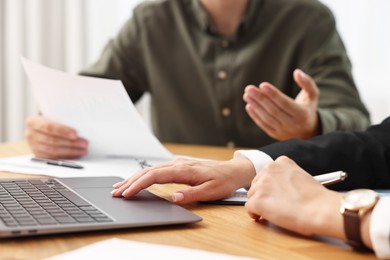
column 40, row 202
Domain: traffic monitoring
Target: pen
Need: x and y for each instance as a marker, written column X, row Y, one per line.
column 331, row 178
column 240, row 196
column 58, row 163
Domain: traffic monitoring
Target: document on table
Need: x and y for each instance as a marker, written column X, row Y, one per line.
column 124, row 249
column 101, row 111
column 92, row 166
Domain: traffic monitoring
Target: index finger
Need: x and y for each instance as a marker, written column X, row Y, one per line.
column 176, row 174
column 253, row 188
column 138, row 174
column 281, row 100
column 253, row 215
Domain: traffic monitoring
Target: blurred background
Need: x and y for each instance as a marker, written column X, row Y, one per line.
column 70, row 34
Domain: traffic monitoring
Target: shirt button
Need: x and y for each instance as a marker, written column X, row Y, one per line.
column 230, row 144
column 222, row 75
column 225, row 43
column 226, row 112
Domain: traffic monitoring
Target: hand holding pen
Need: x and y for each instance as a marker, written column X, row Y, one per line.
column 240, row 196
column 291, row 198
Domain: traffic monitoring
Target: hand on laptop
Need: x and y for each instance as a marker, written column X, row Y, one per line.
column 49, row 139
column 209, row 180
column 280, row 116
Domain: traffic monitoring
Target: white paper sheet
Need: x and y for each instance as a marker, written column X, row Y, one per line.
column 97, row 166
column 124, row 249
column 99, row 109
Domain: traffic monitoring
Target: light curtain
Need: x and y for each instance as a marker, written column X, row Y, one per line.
column 46, row 31
column 363, row 26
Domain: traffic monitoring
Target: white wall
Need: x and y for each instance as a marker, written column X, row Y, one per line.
column 49, row 32
column 364, row 27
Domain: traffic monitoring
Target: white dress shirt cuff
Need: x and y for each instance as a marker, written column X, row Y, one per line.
column 380, row 228
column 258, row 158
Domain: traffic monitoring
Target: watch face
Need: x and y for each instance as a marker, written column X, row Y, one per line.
column 360, row 198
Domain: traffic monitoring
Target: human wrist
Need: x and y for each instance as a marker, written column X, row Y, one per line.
column 244, row 167
column 365, row 229
column 326, row 218
column 315, row 129
column 258, row 158
column 354, row 208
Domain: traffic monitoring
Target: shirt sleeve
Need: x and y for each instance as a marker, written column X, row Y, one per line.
column 325, row 59
column 258, row 158
column 380, row 228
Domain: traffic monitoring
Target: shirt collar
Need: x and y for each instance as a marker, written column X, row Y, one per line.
column 201, row 16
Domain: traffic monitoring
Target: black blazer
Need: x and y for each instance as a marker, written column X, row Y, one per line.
column 365, row 156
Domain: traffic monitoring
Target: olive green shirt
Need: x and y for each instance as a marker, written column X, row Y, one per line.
column 196, row 77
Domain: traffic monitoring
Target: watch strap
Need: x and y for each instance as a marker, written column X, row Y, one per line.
column 352, row 230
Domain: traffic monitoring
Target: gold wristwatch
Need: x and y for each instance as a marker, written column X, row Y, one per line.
column 354, row 205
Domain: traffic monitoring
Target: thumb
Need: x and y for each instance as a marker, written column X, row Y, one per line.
column 306, row 83
column 193, row 194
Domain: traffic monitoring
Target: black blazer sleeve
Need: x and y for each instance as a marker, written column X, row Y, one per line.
column 365, row 156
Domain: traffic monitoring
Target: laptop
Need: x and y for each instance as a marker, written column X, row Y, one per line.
column 30, row 207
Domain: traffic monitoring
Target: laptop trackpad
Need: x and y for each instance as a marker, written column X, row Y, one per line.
column 145, row 207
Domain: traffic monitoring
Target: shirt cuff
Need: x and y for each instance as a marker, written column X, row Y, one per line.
column 258, row 158
column 380, row 228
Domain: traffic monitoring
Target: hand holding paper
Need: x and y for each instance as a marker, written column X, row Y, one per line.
column 98, row 110
column 48, row 139
column 76, row 109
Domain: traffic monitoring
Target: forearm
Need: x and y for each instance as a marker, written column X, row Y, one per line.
column 363, row 155
column 330, row 220
column 245, row 167
column 340, row 106
column 343, row 119
column 365, row 229
column 326, row 218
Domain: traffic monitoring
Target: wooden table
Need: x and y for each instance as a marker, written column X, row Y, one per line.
column 226, row 229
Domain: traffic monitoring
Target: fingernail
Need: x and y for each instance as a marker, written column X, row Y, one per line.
column 125, row 192
column 114, row 191
column 116, row 184
column 72, row 135
column 252, row 94
column 264, row 88
column 83, row 144
column 83, row 153
column 303, row 75
column 177, row 197
column 248, row 98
